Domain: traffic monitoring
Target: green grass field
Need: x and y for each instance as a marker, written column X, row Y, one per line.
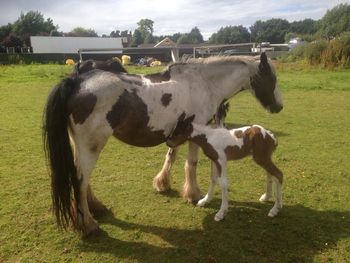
column 314, row 225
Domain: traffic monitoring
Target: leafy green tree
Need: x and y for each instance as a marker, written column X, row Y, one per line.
column 5, row 31
column 12, row 41
column 335, row 21
column 115, row 33
column 195, row 36
column 136, row 38
column 230, row 35
column 145, row 26
column 32, row 24
column 183, row 39
column 82, row 32
column 272, row 30
column 149, row 39
column 303, row 27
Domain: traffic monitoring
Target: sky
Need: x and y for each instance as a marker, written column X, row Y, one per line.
column 169, row 16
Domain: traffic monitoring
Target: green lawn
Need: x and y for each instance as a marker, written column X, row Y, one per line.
column 314, row 225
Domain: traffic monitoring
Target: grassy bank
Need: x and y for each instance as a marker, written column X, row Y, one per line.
column 314, row 225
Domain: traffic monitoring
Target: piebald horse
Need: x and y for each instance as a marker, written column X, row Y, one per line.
column 84, row 110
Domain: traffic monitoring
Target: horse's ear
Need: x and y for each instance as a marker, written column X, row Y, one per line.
column 182, row 117
column 263, row 58
column 190, row 119
column 264, row 64
column 77, row 67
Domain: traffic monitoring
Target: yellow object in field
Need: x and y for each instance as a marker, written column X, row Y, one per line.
column 70, row 61
column 125, row 60
column 156, row 63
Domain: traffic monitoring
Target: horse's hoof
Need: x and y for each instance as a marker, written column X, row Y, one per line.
column 92, row 233
column 192, row 197
column 161, row 184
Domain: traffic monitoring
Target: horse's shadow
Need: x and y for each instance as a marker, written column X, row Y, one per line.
column 231, row 125
column 246, row 234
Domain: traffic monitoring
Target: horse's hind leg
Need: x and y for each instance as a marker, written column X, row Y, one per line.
column 86, row 156
column 162, row 181
column 96, row 207
column 191, row 190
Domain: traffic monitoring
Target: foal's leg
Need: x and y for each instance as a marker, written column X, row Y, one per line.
column 224, row 189
column 214, row 178
column 277, row 178
column 191, row 190
column 278, row 198
column 162, row 181
column 268, row 194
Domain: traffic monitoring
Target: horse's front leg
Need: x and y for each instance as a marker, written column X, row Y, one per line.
column 162, row 181
column 191, row 190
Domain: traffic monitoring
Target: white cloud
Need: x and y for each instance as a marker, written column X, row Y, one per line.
column 169, row 16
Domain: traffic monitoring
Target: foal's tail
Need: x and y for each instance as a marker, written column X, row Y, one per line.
column 59, row 152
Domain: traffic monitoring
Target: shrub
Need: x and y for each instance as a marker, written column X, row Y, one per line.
column 344, row 39
column 313, row 51
column 332, row 55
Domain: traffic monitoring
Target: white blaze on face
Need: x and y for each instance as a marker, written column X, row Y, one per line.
column 277, row 94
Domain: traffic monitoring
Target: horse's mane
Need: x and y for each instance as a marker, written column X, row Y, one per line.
column 249, row 61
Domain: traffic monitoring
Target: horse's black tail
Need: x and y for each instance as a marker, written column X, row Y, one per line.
column 59, row 152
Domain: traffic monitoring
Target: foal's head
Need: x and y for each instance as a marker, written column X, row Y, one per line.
column 181, row 132
column 264, row 86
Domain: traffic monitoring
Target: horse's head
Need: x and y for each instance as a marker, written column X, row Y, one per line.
column 264, row 86
column 181, row 131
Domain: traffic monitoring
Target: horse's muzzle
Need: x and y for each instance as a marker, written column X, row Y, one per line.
column 276, row 109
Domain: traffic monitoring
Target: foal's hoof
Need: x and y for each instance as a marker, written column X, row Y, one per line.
column 274, row 212
column 264, row 198
column 219, row 216
column 201, row 202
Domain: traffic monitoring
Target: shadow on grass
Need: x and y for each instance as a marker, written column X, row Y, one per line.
column 170, row 193
column 237, row 125
column 246, row 234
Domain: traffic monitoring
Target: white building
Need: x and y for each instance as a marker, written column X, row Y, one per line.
column 68, row 45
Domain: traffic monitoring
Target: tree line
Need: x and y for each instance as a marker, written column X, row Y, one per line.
column 335, row 22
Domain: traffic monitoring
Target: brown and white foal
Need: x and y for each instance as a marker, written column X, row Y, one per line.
column 221, row 145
